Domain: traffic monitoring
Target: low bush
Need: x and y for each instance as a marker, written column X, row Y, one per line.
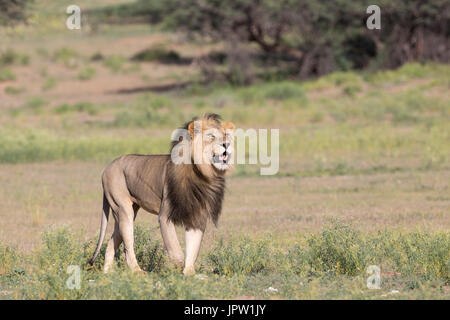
column 240, row 256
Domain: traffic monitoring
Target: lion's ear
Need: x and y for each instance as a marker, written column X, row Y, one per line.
column 228, row 125
column 191, row 129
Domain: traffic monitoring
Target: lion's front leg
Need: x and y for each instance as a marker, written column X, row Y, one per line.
column 170, row 238
column 193, row 240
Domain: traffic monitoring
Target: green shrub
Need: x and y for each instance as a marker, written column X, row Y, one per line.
column 60, row 250
column 48, row 280
column 11, row 57
column 9, row 259
column 49, row 84
column 13, row 12
column 66, row 56
column 14, row 90
column 86, row 73
column 114, row 63
column 351, row 90
column 340, row 249
column 317, row 117
column 158, row 54
column 150, row 253
column 419, row 254
column 77, row 107
column 240, row 256
column 98, row 56
column 33, row 105
column 6, row 75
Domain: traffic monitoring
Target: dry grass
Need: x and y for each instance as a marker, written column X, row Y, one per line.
column 40, row 195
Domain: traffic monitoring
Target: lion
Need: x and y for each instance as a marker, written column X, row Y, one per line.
column 185, row 187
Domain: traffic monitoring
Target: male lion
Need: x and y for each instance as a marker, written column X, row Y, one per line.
column 184, row 192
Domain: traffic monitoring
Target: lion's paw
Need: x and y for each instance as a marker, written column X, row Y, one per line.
column 189, row 271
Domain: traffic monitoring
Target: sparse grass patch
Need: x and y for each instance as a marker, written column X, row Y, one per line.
column 14, row 90
column 6, row 74
column 277, row 91
column 22, row 146
column 115, row 63
column 49, row 84
column 77, row 107
column 86, row 73
column 67, row 56
column 33, row 105
column 149, row 110
column 347, row 79
column 11, row 57
column 317, row 117
column 409, row 71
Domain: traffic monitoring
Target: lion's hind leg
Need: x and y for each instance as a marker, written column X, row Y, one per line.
column 126, row 224
column 111, row 248
column 119, row 198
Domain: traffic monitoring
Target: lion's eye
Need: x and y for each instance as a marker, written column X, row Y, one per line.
column 211, row 136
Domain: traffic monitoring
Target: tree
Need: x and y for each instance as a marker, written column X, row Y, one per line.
column 322, row 35
column 12, row 11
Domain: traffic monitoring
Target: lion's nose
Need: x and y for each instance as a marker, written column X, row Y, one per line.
column 226, row 145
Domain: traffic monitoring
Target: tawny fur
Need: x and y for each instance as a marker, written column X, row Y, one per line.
column 182, row 194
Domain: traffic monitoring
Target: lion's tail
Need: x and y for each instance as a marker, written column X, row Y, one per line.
column 105, row 216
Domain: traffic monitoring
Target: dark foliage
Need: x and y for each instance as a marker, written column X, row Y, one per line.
column 320, row 35
column 12, row 11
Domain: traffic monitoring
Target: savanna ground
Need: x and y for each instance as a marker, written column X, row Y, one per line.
column 364, row 170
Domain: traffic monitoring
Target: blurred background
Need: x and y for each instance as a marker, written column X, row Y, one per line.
column 363, row 114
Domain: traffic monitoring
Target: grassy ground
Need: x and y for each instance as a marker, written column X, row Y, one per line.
column 364, row 170
column 328, row 265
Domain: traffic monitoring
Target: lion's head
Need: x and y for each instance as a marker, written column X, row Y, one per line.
column 208, row 144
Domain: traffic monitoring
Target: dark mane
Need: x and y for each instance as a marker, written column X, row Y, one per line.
column 193, row 200
column 193, row 197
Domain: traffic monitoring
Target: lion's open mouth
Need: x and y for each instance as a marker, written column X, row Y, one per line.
column 221, row 158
